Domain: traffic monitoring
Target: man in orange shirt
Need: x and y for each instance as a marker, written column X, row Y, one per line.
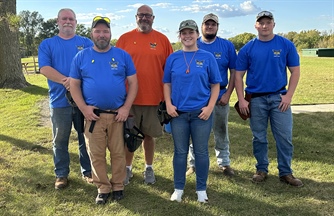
column 149, row 50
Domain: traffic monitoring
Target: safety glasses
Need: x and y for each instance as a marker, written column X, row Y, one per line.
column 97, row 18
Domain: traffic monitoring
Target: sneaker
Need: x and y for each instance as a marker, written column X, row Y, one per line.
column 202, row 197
column 259, row 176
column 177, row 195
column 227, row 170
column 291, row 180
column 102, row 198
column 149, row 177
column 117, row 195
column 191, row 170
column 88, row 178
column 129, row 175
column 61, row 183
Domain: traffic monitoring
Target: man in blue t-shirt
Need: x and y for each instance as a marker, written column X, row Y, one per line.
column 54, row 57
column 225, row 54
column 99, row 76
column 266, row 59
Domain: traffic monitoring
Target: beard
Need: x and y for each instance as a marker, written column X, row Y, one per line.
column 209, row 36
column 144, row 26
column 102, row 44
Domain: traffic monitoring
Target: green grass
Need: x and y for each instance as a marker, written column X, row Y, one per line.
column 27, row 178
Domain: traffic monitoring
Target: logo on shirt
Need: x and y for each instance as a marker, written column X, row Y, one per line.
column 80, row 47
column 113, row 64
column 199, row 63
column 153, row 45
column 277, row 53
column 218, row 55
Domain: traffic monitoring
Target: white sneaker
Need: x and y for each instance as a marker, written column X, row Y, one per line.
column 202, row 197
column 177, row 195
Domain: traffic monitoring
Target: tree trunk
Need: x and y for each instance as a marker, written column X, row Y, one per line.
column 11, row 75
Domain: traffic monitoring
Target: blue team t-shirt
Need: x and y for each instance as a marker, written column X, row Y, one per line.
column 224, row 52
column 58, row 53
column 266, row 64
column 191, row 91
column 103, row 76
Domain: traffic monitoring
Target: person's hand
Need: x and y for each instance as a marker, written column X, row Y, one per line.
column 285, row 103
column 122, row 115
column 205, row 114
column 172, row 110
column 224, row 100
column 66, row 83
column 88, row 112
column 243, row 107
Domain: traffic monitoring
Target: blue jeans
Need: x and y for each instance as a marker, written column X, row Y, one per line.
column 184, row 127
column 265, row 108
column 222, row 141
column 61, row 119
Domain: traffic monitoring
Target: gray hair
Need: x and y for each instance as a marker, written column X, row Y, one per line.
column 66, row 9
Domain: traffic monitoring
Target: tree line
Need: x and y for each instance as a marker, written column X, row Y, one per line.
column 33, row 29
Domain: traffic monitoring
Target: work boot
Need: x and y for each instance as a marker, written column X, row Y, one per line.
column 259, row 176
column 291, row 180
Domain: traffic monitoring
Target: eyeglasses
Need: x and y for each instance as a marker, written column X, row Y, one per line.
column 147, row 16
column 265, row 13
column 97, row 18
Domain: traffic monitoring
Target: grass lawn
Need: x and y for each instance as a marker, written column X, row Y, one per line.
column 27, row 177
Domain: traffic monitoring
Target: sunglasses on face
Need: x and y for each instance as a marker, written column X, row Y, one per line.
column 147, row 16
column 97, row 18
column 265, row 13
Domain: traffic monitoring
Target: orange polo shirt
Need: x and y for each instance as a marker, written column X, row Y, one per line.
column 149, row 53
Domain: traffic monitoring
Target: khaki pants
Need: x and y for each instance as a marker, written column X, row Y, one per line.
column 107, row 133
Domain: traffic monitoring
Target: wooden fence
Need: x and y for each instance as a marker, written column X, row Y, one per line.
column 30, row 67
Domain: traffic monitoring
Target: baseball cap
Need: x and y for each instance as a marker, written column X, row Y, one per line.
column 100, row 19
column 210, row 16
column 188, row 24
column 264, row 14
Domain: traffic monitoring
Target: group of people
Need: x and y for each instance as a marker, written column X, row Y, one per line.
column 109, row 83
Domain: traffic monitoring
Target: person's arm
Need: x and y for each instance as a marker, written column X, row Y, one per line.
column 123, row 111
column 293, row 82
column 76, row 94
column 239, row 88
column 206, row 111
column 171, row 109
column 53, row 75
column 227, row 95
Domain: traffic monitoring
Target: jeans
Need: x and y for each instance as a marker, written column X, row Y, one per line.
column 61, row 119
column 222, row 141
column 265, row 108
column 186, row 126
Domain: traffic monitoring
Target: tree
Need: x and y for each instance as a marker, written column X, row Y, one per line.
column 11, row 75
column 47, row 29
column 30, row 24
column 82, row 30
column 241, row 39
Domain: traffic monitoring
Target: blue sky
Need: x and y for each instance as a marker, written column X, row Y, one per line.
column 235, row 17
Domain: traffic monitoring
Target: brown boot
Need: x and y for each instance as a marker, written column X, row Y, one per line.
column 227, row 170
column 259, row 176
column 61, row 183
column 291, row 180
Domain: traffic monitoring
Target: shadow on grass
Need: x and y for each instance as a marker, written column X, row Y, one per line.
column 35, row 90
column 24, row 144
